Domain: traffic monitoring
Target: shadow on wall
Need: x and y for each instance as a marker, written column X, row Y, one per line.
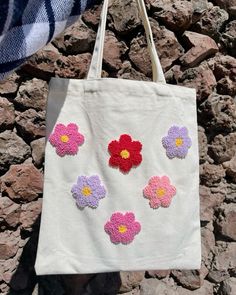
column 26, row 282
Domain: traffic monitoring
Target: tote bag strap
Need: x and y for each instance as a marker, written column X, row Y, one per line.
column 95, row 69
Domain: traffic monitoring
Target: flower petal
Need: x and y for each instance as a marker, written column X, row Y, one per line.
column 148, row 192
column 136, row 146
column 114, row 147
column 166, row 201
column 155, row 203
column 125, row 165
column 114, row 161
column 125, row 138
column 136, row 158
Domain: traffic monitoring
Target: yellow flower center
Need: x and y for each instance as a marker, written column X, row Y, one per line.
column 160, row 192
column 124, row 154
column 178, row 141
column 86, row 191
column 64, row 138
column 122, row 229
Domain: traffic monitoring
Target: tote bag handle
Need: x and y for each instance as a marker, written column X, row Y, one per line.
column 95, row 69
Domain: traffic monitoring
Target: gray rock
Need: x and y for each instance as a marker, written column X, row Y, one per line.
column 76, row 39
column 228, row 287
column 32, row 94
column 31, row 124
column 13, row 150
column 124, row 16
column 38, row 151
column 9, row 212
column 226, row 221
column 7, row 114
column 219, row 113
column 222, row 148
column 211, row 22
column 156, row 287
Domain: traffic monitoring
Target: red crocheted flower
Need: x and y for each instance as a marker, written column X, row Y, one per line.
column 125, row 153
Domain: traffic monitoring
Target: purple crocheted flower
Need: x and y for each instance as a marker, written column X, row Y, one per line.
column 88, row 191
column 177, row 142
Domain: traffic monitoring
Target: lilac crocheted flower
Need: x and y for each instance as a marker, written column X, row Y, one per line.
column 66, row 139
column 177, row 142
column 88, row 191
column 122, row 228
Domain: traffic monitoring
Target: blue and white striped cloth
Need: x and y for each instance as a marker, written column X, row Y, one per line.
column 28, row 25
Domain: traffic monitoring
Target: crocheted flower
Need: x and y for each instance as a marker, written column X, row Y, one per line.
column 125, row 153
column 88, row 191
column 66, row 139
column 122, row 228
column 159, row 191
column 177, row 142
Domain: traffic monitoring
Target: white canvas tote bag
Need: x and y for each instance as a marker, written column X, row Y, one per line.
column 121, row 173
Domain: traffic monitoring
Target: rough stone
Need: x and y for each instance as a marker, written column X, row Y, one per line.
column 166, row 43
column 224, row 69
column 201, row 78
column 76, row 39
column 230, row 167
column 73, row 66
column 229, row 37
column 222, row 148
column 224, row 261
column 191, row 279
column 212, row 22
column 10, row 85
column 22, row 183
column 208, row 244
column 7, row 115
column 91, row 17
column 113, row 51
column 8, row 244
column 226, row 221
column 127, row 72
column 43, row 63
column 228, row 287
column 130, row 280
column 175, row 15
column 219, row 113
column 208, row 202
column 32, row 94
column 13, row 150
column 168, row 47
column 38, row 151
column 231, row 193
column 9, row 212
column 211, row 174
column 173, row 74
column 202, row 143
column 124, row 16
column 31, row 124
column 225, row 4
column 154, row 286
column 202, row 47
column 199, row 7
column 160, row 274
column 206, row 289
column 29, row 214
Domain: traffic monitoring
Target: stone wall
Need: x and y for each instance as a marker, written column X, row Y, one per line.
column 196, row 43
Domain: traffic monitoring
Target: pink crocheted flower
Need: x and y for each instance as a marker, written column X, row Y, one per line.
column 66, row 139
column 159, row 191
column 122, row 227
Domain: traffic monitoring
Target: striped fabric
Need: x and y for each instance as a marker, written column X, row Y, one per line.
column 28, row 25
